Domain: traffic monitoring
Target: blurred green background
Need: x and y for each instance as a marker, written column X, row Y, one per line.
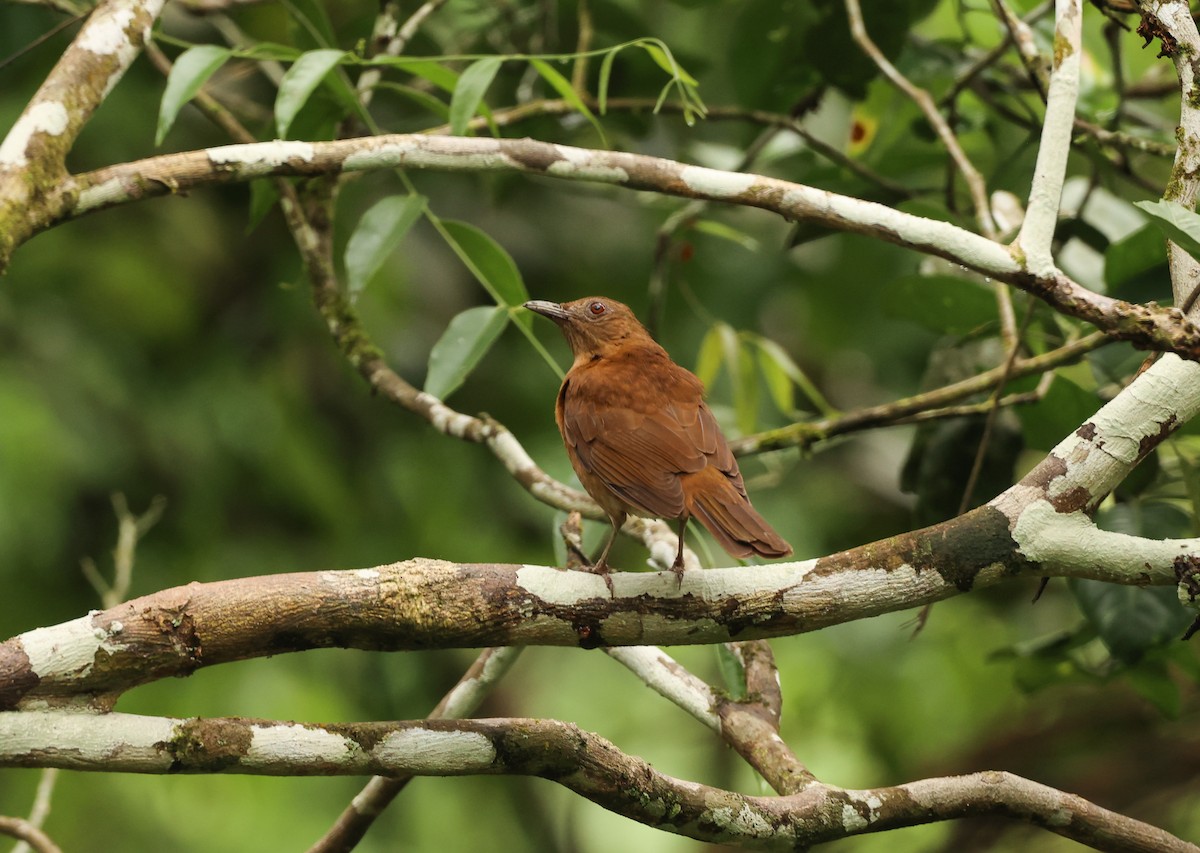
column 166, row 348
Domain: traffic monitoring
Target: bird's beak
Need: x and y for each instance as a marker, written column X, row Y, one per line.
column 548, row 309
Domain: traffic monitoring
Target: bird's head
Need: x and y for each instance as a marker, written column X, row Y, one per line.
column 594, row 325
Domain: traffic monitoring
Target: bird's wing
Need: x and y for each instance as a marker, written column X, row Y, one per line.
column 640, row 452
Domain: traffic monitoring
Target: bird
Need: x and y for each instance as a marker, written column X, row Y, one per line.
column 640, row 436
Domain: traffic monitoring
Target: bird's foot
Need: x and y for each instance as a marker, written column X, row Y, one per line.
column 601, row 569
column 678, row 568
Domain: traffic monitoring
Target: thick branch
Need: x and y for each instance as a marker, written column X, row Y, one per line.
column 1038, row 527
column 1146, row 326
column 561, row 752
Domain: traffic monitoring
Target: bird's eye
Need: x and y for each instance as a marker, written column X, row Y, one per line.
column 597, row 308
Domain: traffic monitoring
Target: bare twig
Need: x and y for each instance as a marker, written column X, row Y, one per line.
column 582, row 44
column 461, row 701
column 924, row 406
column 1021, row 37
column 974, row 180
column 392, row 41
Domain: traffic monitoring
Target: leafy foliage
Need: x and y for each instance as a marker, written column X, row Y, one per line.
column 157, row 350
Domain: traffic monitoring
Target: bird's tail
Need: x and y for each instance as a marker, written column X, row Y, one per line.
column 721, row 508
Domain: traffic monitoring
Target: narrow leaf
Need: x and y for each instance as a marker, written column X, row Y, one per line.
column 725, row 232
column 779, row 384
column 605, row 73
column 466, row 340
column 439, row 75
column 745, row 390
column 422, row 99
column 376, row 235
column 708, row 362
column 190, row 71
column 468, row 94
column 1180, row 225
column 733, row 673
column 779, row 356
column 300, row 81
column 263, row 197
column 566, row 91
column 488, row 261
column 664, row 60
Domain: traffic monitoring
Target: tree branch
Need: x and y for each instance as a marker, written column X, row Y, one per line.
column 1147, row 326
column 1041, row 215
column 580, row 761
column 461, row 701
column 974, row 180
column 33, row 154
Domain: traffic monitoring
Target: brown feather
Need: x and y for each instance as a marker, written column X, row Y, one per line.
column 640, row 436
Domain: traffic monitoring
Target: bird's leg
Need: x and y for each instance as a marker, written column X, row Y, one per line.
column 601, row 564
column 677, row 566
column 600, row 567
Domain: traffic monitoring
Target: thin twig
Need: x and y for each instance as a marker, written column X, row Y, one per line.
column 974, row 180
column 40, row 810
column 1022, row 38
column 910, row 408
column 461, row 701
column 395, row 45
column 582, row 45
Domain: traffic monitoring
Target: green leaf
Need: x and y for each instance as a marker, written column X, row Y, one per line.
column 1135, row 267
column 662, row 57
column 733, row 673
column 943, row 303
column 271, row 51
column 1152, row 680
column 312, row 24
column 468, row 94
column 190, row 71
column 745, row 385
column 439, row 75
column 376, row 235
column 779, row 384
column 567, row 92
column 1131, row 620
column 466, row 340
column 725, row 232
column 263, row 197
column 422, row 99
column 708, row 361
column 1064, row 408
column 606, row 65
column 488, row 261
column 300, row 81
column 1180, row 225
column 773, row 352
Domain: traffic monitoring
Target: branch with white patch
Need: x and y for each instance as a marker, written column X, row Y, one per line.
column 1041, row 214
column 580, row 761
column 33, row 153
column 1147, row 326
